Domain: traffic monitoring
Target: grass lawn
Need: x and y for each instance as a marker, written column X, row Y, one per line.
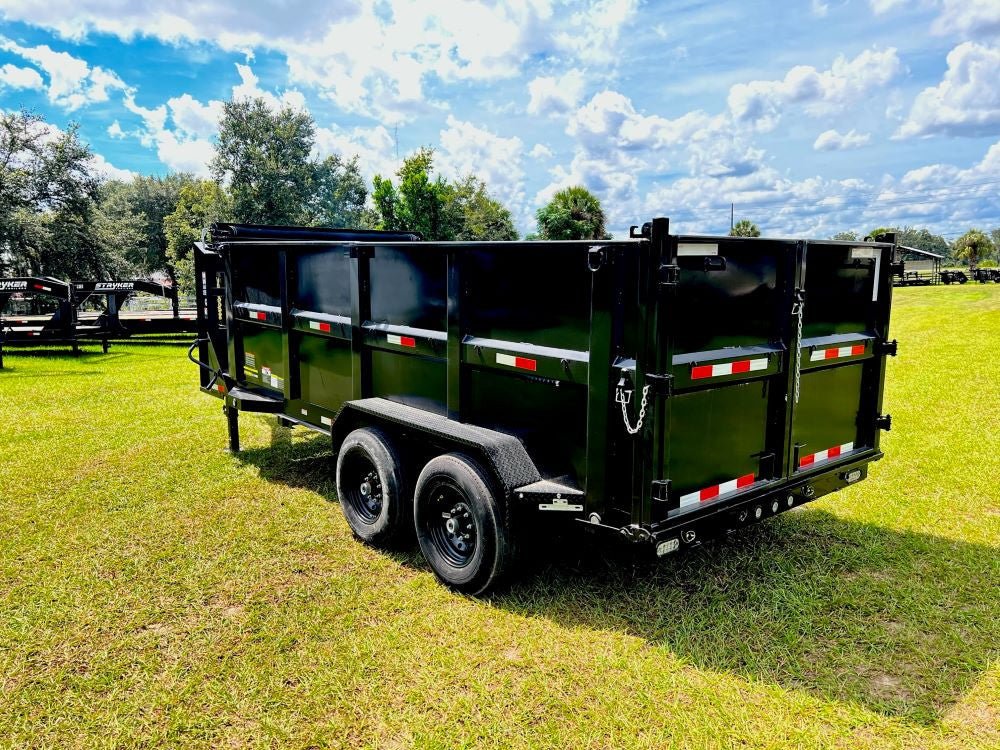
column 155, row 590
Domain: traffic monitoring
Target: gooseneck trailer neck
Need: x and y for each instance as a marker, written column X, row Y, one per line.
column 661, row 388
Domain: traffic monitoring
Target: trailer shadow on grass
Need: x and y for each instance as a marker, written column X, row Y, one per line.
column 896, row 622
column 899, row 623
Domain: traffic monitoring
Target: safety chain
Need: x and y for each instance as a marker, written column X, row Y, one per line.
column 642, row 410
column 797, row 310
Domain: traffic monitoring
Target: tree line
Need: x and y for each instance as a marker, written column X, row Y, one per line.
column 58, row 218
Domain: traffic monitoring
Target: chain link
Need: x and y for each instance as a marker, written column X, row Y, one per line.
column 642, row 411
column 798, row 349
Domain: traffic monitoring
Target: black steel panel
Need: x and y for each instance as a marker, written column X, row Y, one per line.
column 409, row 287
column 323, row 281
column 409, row 379
column 828, row 410
column 325, row 371
column 262, row 363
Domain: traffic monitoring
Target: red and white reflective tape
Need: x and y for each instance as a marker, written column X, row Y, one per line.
column 728, row 368
column 837, row 352
column 43, row 288
column 407, row 341
column 717, row 490
column 260, row 315
column 220, row 387
column 521, row 363
column 829, row 453
column 317, row 326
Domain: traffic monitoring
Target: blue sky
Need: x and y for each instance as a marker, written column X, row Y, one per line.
column 812, row 117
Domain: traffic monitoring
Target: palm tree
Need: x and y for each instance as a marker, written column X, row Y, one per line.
column 573, row 214
column 745, row 228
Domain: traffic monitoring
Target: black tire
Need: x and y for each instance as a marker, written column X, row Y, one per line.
column 461, row 527
column 371, row 489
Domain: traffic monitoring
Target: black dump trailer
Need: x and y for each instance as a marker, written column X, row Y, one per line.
column 113, row 297
column 916, row 267
column 660, row 389
column 42, row 310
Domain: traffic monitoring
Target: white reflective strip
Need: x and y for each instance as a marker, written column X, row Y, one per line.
column 506, row 359
column 697, row 248
column 692, row 498
column 326, row 420
column 394, row 339
column 758, row 364
column 305, row 412
column 724, row 369
column 817, row 355
column 314, row 325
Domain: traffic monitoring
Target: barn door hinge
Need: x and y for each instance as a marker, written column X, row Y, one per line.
column 669, row 275
column 888, row 348
column 660, row 385
column 883, row 422
column 661, row 490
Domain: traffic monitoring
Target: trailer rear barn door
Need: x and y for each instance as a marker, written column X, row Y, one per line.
column 725, row 327
column 839, row 369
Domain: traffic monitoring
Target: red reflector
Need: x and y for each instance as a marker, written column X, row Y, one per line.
column 709, row 492
column 260, row 315
column 742, row 366
column 831, row 354
column 325, row 327
column 701, row 371
column 220, row 388
column 407, row 341
column 745, row 481
column 857, row 349
column 525, row 364
column 833, row 452
column 806, row 460
column 38, row 286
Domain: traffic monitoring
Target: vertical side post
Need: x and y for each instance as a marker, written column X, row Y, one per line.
column 360, row 314
column 454, row 351
column 600, row 394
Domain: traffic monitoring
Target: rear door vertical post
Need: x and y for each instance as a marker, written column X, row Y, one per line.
column 599, row 387
column 454, row 331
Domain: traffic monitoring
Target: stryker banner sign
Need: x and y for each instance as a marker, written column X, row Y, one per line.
column 11, row 286
column 114, row 286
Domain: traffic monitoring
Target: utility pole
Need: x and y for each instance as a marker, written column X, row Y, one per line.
column 732, row 210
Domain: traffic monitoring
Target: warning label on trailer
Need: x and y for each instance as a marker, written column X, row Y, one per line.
column 251, row 360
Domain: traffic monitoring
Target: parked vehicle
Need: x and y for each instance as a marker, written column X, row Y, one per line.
column 953, row 277
column 659, row 389
column 985, row 275
column 121, row 322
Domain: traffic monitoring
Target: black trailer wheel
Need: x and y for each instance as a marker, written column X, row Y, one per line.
column 460, row 525
column 370, row 487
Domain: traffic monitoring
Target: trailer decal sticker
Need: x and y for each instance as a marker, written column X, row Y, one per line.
column 6, row 286
column 317, row 326
column 837, row 352
column 408, row 341
column 829, row 453
column 43, row 288
column 728, row 368
column 251, row 360
column 326, row 420
column 697, row 248
column 260, row 315
column 522, row 363
column 716, row 490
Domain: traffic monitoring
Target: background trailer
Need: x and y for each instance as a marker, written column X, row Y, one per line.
column 121, row 321
column 36, row 310
column 659, row 389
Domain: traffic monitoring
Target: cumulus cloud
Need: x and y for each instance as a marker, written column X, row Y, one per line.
column 966, row 102
column 761, row 103
column 551, row 96
column 978, row 19
column 194, row 118
column 14, row 77
column 832, row 140
column 72, row 82
column 105, row 169
column 540, row 151
column 374, row 147
column 470, row 149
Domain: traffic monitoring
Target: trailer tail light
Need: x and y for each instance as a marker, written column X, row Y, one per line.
column 665, row 548
column 716, row 490
column 521, row 363
column 317, row 326
column 837, row 352
column 407, row 341
column 260, row 315
column 698, row 372
column 828, row 454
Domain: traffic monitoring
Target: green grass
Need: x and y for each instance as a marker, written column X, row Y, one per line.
column 155, row 590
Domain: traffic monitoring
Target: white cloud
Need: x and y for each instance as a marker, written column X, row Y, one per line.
column 115, row 130
column 109, row 171
column 761, row 103
column 540, row 151
column 249, row 88
column 819, row 8
column 969, row 18
column 831, row 140
column 194, row 118
column 14, row 77
column 469, row 149
column 374, row 147
column 72, row 82
column 594, row 31
column 884, row 6
column 551, row 96
column 966, row 102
